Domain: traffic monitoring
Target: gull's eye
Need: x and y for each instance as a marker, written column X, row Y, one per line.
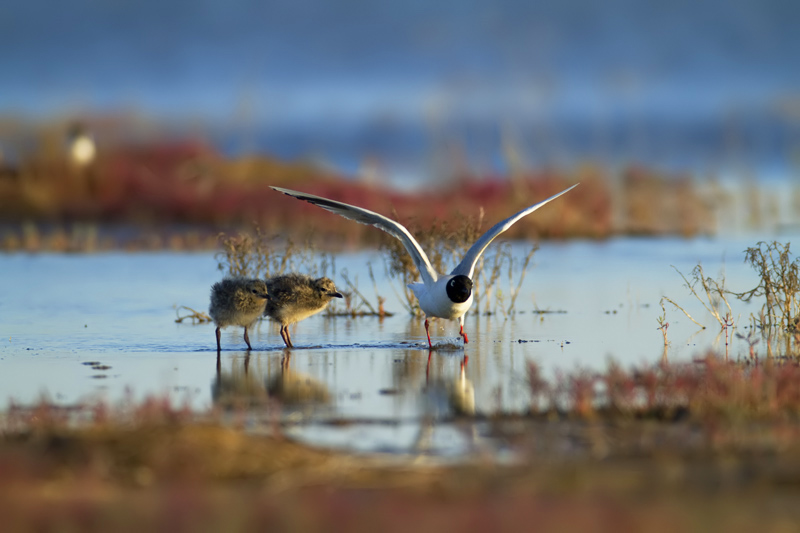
column 253, row 291
column 452, row 283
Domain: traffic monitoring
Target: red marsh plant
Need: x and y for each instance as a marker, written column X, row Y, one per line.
column 705, row 390
column 654, row 204
column 190, row 183
column 144, row 179
column 158, row 467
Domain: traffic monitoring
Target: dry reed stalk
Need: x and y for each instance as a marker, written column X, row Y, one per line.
column 779, row 285
column 714, row 291
column 197, row 317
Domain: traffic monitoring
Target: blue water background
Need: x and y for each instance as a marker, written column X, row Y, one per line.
column 701, row 87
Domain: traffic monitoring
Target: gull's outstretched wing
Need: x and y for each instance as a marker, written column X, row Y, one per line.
column 467, row 265
column 365, row 216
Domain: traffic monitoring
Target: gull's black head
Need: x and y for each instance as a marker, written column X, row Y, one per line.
column 459, row 289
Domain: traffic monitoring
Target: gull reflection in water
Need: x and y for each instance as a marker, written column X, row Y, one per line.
column 448, row 401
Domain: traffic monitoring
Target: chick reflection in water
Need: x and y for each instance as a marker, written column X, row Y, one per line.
column 248, row 385
column 295, row 388
column 295, row 297
column 241, row 386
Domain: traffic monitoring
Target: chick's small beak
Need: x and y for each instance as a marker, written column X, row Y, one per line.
column 336, row 294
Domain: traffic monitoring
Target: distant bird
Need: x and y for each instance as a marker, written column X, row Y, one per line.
column 294, row 297
column 82, row 149
column 237, row 302
column 439, row 296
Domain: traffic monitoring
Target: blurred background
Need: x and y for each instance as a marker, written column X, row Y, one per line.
column 182, row 111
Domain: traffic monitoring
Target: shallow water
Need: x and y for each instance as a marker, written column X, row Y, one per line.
column 76, row 327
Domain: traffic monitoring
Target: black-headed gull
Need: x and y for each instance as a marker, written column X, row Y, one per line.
column 442, row 296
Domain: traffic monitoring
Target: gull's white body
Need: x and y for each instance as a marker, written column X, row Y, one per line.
column 431, row 301
column 432, row 292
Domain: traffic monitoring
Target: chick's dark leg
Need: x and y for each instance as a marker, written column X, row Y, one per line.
column 285, row 336
column 218, row 346
column 289, row 337
column 247, row 339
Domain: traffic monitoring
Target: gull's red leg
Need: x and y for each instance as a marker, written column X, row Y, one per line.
column 430, row 345
column 466, row 340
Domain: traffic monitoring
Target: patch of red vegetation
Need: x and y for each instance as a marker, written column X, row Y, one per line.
column 710, row 390
column 190, row 183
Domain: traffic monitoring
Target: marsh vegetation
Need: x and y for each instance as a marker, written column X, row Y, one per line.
column 179, row 195
column 776, row 320
column 571, row 411
column 675, row 444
